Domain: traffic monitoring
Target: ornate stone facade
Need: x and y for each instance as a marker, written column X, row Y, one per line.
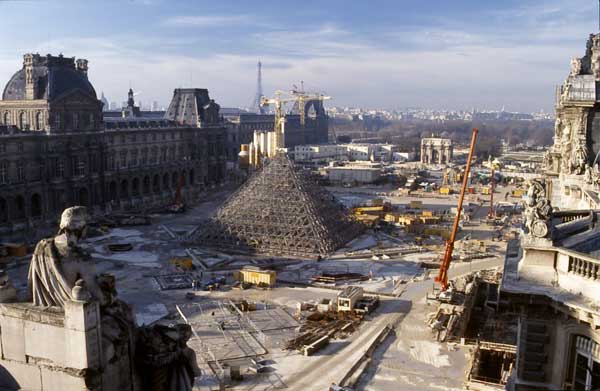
column 436, row 150
column 76, row 156
column 572, row 161
column 552, row 274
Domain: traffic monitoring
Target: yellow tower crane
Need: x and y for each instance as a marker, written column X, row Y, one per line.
column 279, row 101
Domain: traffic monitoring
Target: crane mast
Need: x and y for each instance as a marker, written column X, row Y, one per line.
column 491, row 213
column 442, row 277
column 301, row 97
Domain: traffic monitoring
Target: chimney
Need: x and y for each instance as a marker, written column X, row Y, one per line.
column 29, row 81
column 82, row 66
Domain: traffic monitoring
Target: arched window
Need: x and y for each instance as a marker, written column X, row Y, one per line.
column 6, row 118
column 92, row 122
column 75, row 121
column 38, row 121
column 21, row 171
column 57, row 121
column 3, row 172
column 22, row 120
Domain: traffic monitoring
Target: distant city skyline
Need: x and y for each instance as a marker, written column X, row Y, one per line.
column 387, row 54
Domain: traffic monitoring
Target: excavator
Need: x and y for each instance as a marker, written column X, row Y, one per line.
column 446, row 291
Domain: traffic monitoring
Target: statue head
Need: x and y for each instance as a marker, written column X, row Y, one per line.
column 73, row 223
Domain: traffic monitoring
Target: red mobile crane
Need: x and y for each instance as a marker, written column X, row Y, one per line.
column 491, row 213
column 442, row 277
column 178, row 206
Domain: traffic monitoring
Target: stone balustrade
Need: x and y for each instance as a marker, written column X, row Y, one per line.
column 588, row 268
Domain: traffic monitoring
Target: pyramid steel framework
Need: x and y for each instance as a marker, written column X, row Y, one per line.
column 280, row 211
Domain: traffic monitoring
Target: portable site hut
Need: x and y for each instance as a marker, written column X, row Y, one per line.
column 256, row 276
column 347, row 298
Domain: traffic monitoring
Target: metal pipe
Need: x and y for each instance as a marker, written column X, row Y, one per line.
column 442, row 277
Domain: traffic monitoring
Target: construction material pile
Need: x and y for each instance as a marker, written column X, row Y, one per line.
column 320, row 328
column 334, row 278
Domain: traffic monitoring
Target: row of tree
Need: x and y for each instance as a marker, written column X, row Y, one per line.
column 408, row 134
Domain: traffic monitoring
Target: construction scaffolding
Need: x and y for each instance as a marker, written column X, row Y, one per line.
column 280, row 211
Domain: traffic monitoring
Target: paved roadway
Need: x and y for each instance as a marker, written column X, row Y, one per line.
column 329, row 369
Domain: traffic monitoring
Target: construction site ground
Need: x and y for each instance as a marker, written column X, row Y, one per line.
column 409, row 358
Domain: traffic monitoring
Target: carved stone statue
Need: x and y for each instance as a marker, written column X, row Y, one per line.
column 558, row 129
column 58, row 263
column 595, row 173
column 169, row 364
column 62, row 271
column 537, row 210
column 579, row 158
column 575, row 66
column 588, row 175
column 547, row 160
column 566, row 91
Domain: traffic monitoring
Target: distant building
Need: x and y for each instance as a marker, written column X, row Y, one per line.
column 352, row 152
column 436, row 150
column 242, row 125
column 353, row 173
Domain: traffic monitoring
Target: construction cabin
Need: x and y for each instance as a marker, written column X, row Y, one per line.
column 346, row 300
column 255, row 276
column 182, row 262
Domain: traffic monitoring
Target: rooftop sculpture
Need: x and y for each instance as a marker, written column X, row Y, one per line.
column 538, row 211
column 147, row 358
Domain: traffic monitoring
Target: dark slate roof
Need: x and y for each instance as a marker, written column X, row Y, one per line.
column 53, row 80
column 188, row 105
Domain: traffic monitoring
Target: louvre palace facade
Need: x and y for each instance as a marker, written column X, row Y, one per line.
column 57, row 149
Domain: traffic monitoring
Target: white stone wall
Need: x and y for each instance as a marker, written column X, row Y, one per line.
column 49, row 349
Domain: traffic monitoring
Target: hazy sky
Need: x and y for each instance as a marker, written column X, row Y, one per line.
column 455, row 54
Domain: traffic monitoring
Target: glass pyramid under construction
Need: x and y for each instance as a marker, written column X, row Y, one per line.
column 280, row 211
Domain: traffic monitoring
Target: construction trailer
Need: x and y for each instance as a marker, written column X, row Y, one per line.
column 517, row 193
column 415, row 204
column 255, row 276
column 346, row 300
column 182, row 262
column 368, row 220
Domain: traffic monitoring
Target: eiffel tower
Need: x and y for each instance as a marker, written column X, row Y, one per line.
column 280, row 211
